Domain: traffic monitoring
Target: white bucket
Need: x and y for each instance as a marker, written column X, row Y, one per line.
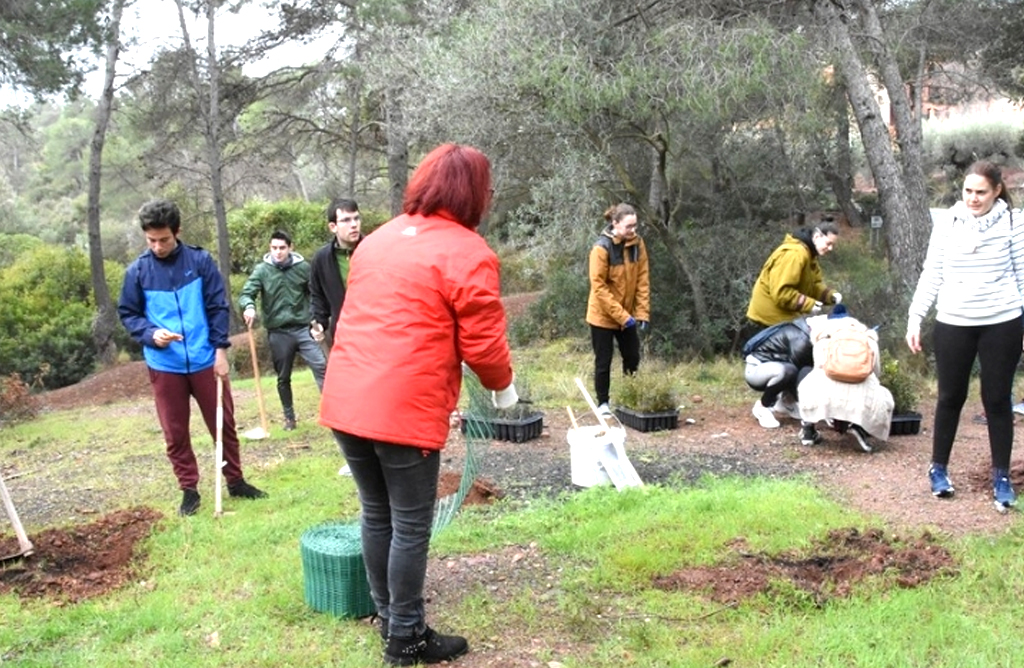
column 585, row 447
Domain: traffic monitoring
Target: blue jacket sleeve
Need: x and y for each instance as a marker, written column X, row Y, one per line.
column 215, row 299
column 131, row 307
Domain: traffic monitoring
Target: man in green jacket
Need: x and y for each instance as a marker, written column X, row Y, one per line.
column 282, row 280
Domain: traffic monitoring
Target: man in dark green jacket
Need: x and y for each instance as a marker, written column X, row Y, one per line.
column 282, row 280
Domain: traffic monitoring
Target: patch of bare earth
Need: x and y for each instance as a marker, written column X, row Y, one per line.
column 72, row 564
column 829, row 569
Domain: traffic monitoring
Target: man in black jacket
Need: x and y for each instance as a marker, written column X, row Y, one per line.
column 330, row 268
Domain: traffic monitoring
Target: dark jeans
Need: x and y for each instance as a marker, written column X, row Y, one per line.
column 173, row 393
column 397, row 489
column 629, row 347
column 998, row 350
column 284, row 344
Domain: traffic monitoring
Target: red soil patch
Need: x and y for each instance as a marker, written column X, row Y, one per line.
column 80, row 562
column 831, row 569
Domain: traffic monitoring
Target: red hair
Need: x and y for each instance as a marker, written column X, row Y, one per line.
column 454, row 180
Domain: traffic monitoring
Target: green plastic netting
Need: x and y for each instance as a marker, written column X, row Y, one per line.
column 333, row 573
column 478, row 436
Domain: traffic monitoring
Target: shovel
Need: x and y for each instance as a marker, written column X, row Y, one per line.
column 218, row 453
column 257, row 433
column 24, row 544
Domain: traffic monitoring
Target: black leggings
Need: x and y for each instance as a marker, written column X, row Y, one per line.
column 998, row 349
column 602, row 339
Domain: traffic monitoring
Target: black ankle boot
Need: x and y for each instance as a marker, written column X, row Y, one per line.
column 427, row 647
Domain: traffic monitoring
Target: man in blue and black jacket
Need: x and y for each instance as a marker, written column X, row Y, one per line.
column 173, row 302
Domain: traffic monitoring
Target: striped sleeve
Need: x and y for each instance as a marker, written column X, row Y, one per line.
column 930, row 281
column 1017, row 248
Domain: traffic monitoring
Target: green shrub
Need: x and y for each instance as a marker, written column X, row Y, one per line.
column 558, row 313
column 900, row 383
column 13, row 246
column 650, row 390
column 46, row 322
column 250, row 227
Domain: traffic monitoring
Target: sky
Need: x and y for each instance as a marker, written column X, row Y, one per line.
column 155, row 25
column 149, row 25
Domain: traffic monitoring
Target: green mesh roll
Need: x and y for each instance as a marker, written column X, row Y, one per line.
column 334, row 577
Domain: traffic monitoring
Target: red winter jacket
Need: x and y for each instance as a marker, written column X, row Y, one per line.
column 423, row 296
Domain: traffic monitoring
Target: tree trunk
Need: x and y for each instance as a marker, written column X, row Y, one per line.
column 356, row 103
column 840, row 175
column 907, row 245
column 659, row 214
column 211, row 123
column 213, row 147
column 898, row 213
column 105, row 323
column 398, row 151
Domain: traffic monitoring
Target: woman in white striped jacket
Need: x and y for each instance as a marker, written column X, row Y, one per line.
column 974, row 275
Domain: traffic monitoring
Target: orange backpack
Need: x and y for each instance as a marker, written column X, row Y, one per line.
column 848, row 356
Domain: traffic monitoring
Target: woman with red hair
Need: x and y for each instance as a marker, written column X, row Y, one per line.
column 423, row 298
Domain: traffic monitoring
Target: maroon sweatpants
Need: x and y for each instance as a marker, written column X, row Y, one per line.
column 173, row 393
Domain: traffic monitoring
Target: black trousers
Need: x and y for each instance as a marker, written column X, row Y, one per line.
column 603, row 340
column 998, row 350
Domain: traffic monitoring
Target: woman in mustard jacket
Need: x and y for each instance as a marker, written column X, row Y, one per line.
column 791, row 285
column 619, row 306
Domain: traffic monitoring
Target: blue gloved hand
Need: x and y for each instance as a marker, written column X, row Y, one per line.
column 630, row 323
column 642, row 326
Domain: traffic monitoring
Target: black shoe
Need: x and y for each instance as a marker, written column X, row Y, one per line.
column 428, row 647
column 861, row 437
column 243, row 490
column 809, row 435
column 289, row 424
column 189, row 502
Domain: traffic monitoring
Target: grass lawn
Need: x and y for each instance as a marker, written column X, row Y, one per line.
column 229, row 591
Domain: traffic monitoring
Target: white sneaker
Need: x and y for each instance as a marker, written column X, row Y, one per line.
column 786, row 410
column 604, row 409
column 1019, row 408
column 764, row 416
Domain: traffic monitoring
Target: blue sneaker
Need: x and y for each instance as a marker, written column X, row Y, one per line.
column 1002, row 491
column 942, row 486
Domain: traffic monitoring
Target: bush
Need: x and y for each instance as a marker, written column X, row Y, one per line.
column 650, row 390
column 900, row 383
column 46, row 322
column 16, row 400
column 557, row 313
column 13, row 246
column 250, row 227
